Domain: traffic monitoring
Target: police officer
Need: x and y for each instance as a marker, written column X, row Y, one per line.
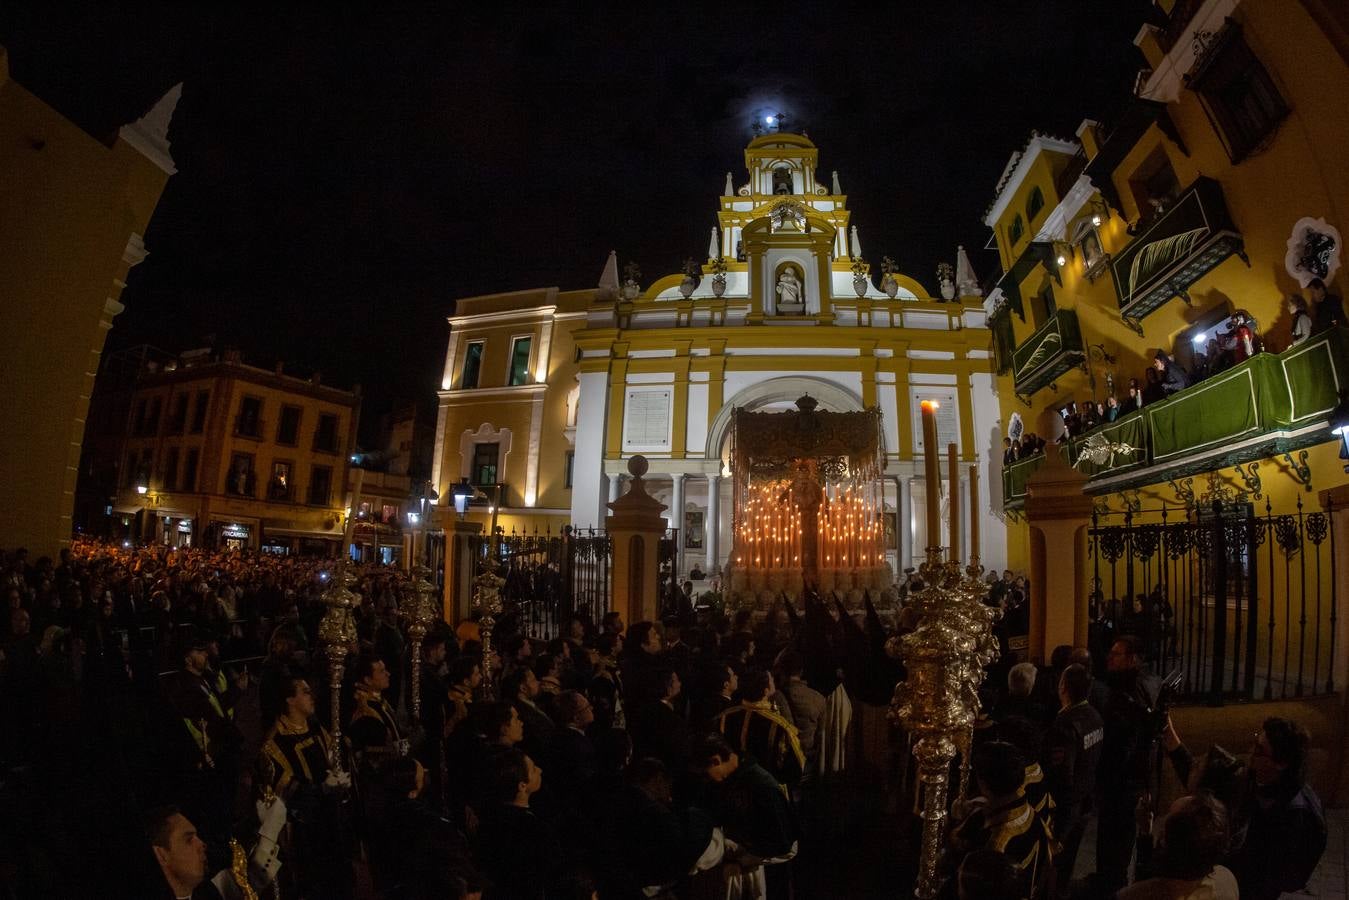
column 1126, row 753
column 1073, row 752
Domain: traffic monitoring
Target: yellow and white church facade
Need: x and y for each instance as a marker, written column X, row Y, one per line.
column 546, row 393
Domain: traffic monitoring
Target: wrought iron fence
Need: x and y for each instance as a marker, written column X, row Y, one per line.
column 1241, row 600
column 550, row 577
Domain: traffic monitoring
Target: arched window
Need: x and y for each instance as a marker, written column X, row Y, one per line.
column 1034, row 204
column 1015, row 231
column 782, row 180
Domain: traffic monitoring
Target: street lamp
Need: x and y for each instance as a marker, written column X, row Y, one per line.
column 462, row 492
column 1339, row 424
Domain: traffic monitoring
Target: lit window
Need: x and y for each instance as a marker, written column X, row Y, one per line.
column 520, row 361
column 472, row 365
column 484, row 471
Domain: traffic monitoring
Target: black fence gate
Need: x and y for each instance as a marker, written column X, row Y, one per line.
column 553, row 576
column 1240, row 600
column 550, row 576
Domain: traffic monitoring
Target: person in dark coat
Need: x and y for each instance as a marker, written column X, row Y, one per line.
column 1073, row 752
column 391, row 647
column 650, row 845
column 518, row 851
column 1125, row 761
column 644, row 646
column 571, row 754
column 657, row 730
column 1173, row 378
column 717, row 683
column 1278, row 819
column 744, row 799
column 1329, row 309
column 521, row 688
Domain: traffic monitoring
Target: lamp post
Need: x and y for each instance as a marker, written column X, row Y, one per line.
column 1339, row 424
column 462, row 492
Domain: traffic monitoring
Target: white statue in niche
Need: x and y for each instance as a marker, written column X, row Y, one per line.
column 789, row 292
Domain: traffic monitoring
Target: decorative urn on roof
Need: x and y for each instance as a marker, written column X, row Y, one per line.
column 888, row 283
column 692, row 275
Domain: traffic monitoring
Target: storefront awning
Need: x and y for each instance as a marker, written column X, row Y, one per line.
column 127, row 510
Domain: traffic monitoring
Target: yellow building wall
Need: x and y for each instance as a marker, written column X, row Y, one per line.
column 68, row 206
column 1043, row 172
column 1299, row 173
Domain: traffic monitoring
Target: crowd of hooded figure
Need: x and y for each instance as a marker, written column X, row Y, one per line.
column 681, row 758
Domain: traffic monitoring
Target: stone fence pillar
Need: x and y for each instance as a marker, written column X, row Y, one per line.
column 635, row 527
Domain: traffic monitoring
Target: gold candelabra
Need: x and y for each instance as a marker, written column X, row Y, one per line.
column 938, row 701
column 337, row 632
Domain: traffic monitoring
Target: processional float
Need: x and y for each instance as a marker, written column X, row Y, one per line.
column 808, row 504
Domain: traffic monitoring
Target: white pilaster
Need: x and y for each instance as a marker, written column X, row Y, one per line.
column 587, row 499
column 541, row 362
column 677, row 521
column 437, row 464
column 532, row 459
column 904, row 503
column 713, row 523
column 615, row 488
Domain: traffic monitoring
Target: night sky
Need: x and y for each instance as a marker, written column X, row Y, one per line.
column 345, row 174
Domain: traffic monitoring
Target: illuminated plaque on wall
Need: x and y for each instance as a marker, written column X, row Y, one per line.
column 646, row 424
column 948, row 417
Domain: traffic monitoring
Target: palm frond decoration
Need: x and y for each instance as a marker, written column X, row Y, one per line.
column 1099, row 450
column 1049, row 345
column 1161, row 253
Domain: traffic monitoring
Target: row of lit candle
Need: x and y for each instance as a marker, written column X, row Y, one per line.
column 848, row 530
column 770, row 530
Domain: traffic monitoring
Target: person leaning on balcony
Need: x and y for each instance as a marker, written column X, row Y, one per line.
column 1135, row 399
column 1302, row 320
column 1329, row 310
column 1173, row 378
column 1089, row 417
column 1212, row 362
column 1110, row 411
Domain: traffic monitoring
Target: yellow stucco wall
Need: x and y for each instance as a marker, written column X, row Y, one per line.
column 1300, row 172
column 68, row 206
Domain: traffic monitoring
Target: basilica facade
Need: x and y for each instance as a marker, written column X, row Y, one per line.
column 546, row 393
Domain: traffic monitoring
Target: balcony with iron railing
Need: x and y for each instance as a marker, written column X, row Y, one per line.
column 1054, row 348
column 1273, row 403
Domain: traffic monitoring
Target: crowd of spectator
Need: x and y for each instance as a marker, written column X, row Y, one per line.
column 183, row 694
column 1237, row 340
